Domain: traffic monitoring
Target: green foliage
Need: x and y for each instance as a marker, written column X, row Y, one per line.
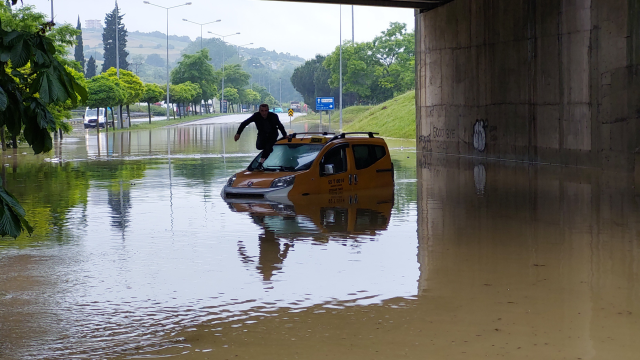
column 79, row 50
column 312, row 80
column 197, row 70
column 249, row 97
column 234, row 76
column 372, row 71
column 62, row 111
column 104, row 91
column 31, row 79
column 27, row 20
column 153, row 93
column 91, row 68
column 395, row 118
column 131, row 84
column 231, row 95
column 109, row 41
column 155, row 60
column 184, row 93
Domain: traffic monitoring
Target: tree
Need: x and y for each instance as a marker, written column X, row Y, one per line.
column 79, row 50
column 91, row 68
column 249, row 97
column 234, row 76
column 104, row 92
column 395, row 49
column 109, row 40
column 24, row 100
column 231, row 95
column 153, row 93
column 197, row 69
column 312, row 80
column 155, row 60
column 132, row 86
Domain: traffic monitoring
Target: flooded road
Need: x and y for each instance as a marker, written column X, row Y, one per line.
column 136, row 255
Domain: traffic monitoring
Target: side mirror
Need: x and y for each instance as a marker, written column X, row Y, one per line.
column 329, row 170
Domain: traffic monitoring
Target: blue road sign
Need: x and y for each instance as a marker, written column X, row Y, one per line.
column 325, row 103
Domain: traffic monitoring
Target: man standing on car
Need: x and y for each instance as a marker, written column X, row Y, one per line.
column 268, row 125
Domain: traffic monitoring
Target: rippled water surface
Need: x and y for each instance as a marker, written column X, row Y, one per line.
column 136, row 255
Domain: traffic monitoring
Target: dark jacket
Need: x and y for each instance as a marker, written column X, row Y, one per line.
column 267, row 128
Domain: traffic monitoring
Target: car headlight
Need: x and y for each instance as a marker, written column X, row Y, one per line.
column 283, row 181
column 231, row 181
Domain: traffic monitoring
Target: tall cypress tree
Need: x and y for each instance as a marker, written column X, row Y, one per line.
column 109, row 40
column 79, row 53
column 91, row 68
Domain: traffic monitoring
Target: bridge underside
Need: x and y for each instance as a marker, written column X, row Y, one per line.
column 535, row 80
column 423, row 5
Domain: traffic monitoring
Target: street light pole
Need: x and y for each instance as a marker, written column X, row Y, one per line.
column 167, row 8
column 222, row 36
column 201, row 25
column 340, row 68
column 280, row 91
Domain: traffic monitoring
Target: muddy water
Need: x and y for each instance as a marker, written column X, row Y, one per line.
column 137, row 256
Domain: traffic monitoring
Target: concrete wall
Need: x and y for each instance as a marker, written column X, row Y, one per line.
column 552, row 81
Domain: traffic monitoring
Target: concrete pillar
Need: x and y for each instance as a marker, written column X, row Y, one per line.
column 553, row 81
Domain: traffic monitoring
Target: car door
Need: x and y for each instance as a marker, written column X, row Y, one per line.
column 372, row 167
column 334, row 171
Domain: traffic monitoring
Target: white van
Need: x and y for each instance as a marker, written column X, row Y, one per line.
column 93, row 117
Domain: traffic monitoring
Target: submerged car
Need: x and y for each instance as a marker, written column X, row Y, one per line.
column 304, row 164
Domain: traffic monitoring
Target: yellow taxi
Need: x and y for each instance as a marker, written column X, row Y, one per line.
column 305, row 164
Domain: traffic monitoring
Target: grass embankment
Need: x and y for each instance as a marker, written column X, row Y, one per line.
column 395, row 118
column 348, row 115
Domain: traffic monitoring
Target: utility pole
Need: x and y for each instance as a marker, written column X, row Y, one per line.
column 353, row 27
column 340, row 68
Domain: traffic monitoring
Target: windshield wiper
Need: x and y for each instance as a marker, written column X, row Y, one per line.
column 280, row 168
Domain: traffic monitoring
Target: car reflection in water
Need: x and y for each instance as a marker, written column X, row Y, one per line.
column 320, row 218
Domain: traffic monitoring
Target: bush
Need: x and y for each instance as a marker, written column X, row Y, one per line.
column 155, row 109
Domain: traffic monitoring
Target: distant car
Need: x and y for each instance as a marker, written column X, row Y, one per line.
column 94, row 118
column 277, row 110
column 306, row 164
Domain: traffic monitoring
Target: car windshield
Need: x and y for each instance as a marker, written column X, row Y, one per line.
column 289, row 157
column 93, row 112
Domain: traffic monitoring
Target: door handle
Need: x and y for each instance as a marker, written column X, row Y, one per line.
column 355, row 179
column 349, row 179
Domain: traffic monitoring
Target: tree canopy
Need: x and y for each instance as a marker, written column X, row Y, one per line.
column 79, row 50
column 32, row 78
column 91, row 68
column 104, row 91
column 197, row 70
column 131, row 84
column 109, row 41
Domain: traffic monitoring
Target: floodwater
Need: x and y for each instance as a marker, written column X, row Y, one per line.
column 136, row 256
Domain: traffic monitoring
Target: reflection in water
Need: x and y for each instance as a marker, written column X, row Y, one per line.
column 132, row 249
column 120, row 203
column 320, row 218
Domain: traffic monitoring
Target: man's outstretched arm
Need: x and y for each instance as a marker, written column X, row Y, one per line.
column 243, row 125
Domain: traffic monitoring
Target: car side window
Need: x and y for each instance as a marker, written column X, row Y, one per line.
column 367, row 155
column 336, row 157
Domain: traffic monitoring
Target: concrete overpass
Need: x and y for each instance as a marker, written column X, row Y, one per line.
column 554, row 81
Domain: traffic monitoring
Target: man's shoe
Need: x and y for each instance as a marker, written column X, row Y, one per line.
column 260, row 167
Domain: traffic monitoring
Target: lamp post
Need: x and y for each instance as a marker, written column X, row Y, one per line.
column 280, row 91
column 201, row 25
column 340, row 68
column 222, row 36
column 167, row 8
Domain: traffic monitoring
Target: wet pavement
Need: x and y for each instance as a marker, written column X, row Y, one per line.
column 136, row 255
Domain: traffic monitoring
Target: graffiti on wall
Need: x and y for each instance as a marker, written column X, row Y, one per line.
column 480, row 135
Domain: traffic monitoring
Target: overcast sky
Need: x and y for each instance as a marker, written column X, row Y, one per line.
column 298, row 28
